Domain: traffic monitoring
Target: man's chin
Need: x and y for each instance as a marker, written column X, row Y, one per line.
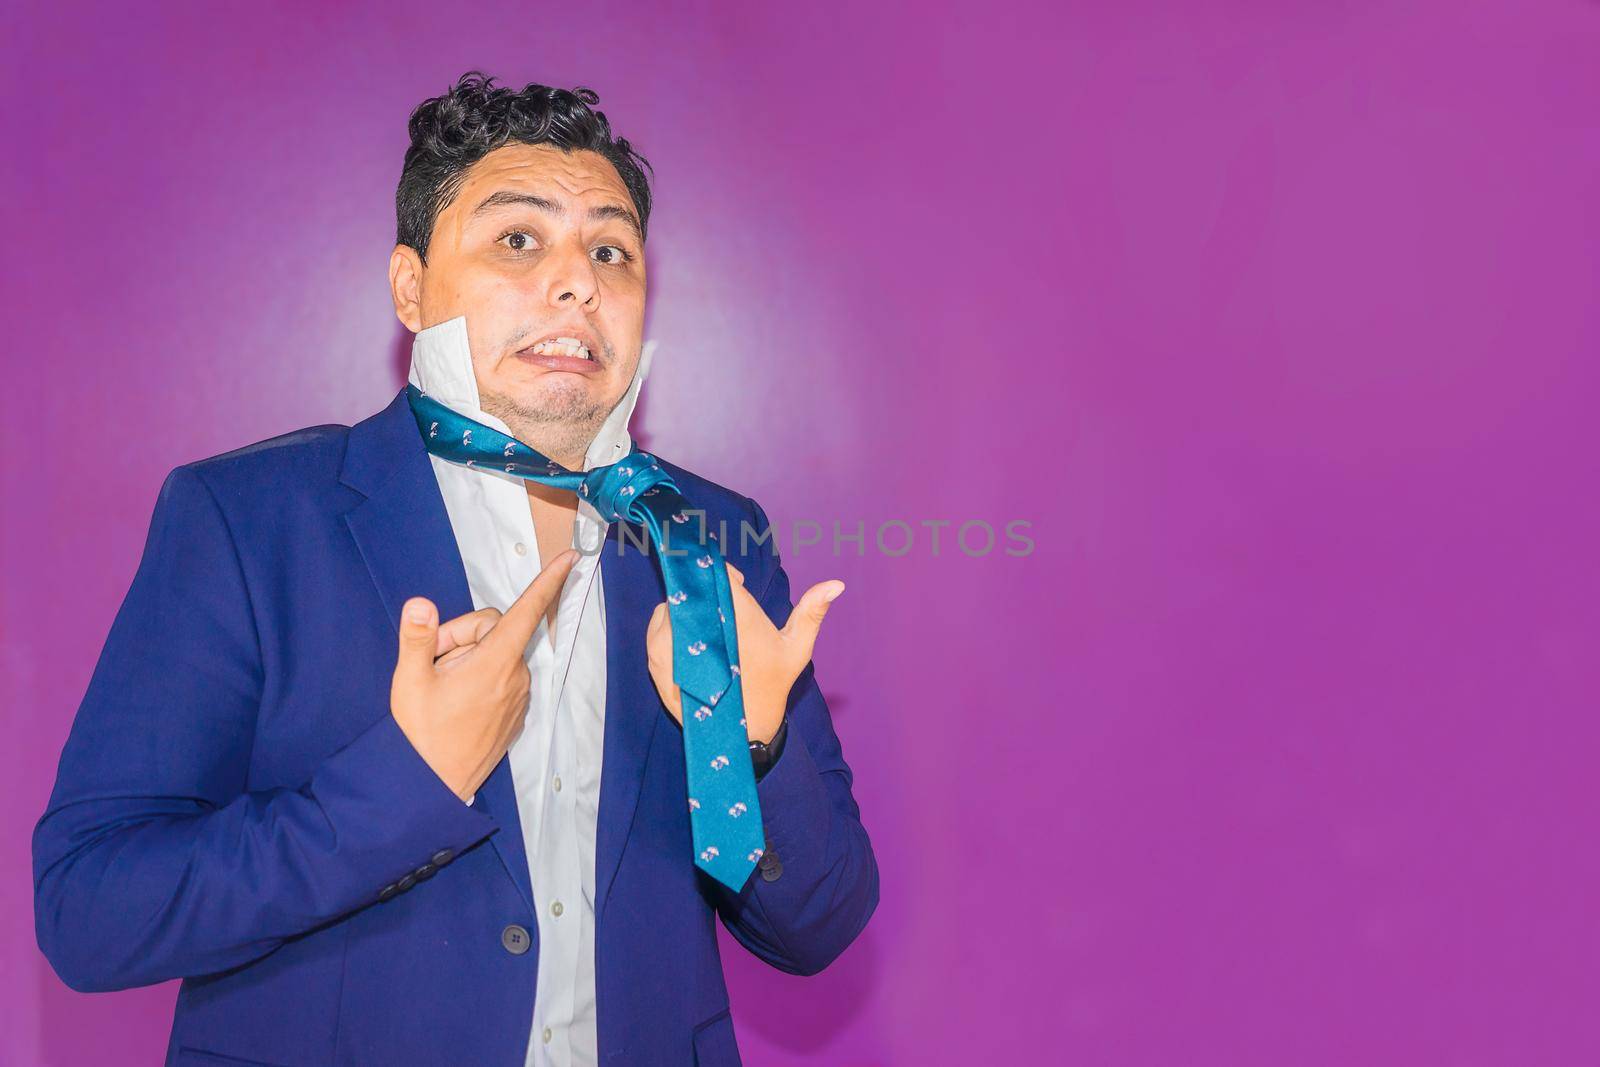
column 574, row 404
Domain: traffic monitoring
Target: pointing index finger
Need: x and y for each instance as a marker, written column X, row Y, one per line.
column 515, row 628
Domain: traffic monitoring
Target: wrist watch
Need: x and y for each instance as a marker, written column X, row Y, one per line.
column 764, row 755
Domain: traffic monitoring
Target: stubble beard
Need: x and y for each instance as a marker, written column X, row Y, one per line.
column 563, row 426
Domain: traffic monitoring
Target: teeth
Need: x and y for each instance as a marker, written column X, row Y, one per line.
column 562, row 346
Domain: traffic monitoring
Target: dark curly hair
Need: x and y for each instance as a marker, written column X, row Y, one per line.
column 450, row 133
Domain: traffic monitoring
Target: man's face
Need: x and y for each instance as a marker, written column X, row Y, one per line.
column 538, row 243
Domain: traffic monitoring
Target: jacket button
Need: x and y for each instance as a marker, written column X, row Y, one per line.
column 388, row 891
column 770, row 872
column 442, row 857
column 406, row 882
column 515, row 939
column 425, row 871
column 769, row 858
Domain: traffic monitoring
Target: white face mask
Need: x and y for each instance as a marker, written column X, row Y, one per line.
column 441, row 366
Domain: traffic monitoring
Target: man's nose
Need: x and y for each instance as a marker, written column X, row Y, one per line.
column 574, row 280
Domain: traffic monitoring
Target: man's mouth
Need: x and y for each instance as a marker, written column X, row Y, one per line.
column 571, row 347
column 572, row 352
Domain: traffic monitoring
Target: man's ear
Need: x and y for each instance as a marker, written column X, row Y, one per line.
column 405, row 285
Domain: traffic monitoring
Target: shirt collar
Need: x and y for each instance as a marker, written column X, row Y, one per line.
column 441, row 366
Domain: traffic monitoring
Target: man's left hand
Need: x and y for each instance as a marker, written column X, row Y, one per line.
column 770, row 659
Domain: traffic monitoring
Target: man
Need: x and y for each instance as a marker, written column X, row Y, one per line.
column 364, row 835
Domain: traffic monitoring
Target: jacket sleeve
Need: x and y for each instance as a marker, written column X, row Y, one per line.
column 152, row 861
column 818, row 882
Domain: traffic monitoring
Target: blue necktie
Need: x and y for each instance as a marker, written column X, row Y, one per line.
column 724, row 815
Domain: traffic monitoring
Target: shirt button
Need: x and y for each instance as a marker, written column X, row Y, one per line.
column 521, row 549
column 556, row 909
column 546, row 1035
column 558, row 783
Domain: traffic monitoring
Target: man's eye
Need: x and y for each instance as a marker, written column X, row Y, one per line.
column 521, row 240
column 617, row 255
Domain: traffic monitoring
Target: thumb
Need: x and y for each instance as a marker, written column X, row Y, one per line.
column 806, row 618
column 419, row 626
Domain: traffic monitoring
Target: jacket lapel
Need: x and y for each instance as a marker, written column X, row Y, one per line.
column 633, row 587
column 405, row 537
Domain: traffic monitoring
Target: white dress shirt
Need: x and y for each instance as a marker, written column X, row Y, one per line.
column 555, row 761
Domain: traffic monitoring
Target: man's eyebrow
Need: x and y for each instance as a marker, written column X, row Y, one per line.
column 507, row 198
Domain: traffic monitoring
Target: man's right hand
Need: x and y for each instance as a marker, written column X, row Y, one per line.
column 460, row 690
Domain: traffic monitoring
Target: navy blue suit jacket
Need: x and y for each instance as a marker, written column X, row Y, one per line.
column 234, row 795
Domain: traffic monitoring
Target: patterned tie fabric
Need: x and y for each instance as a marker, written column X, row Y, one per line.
column 724, row 815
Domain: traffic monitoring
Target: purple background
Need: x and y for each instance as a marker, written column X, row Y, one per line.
column 1277, row 321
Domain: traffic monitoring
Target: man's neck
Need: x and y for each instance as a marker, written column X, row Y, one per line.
column 570, row 453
